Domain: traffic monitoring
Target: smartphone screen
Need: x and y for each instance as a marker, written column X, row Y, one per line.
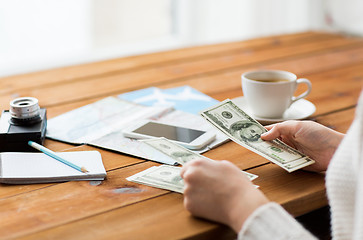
column 180, row 134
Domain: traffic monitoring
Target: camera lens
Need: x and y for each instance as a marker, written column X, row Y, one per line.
column 24, row 111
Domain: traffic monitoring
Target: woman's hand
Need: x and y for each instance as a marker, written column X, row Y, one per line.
column 313, row 139
column 219, row 191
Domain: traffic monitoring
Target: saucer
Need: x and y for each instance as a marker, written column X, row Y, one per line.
column 298, row 110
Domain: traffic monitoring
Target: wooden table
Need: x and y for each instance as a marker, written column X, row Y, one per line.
column 118, row 209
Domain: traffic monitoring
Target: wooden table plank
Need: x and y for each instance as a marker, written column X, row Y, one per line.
column 302, row 67
column 229, row 87
column 123, row 223
column 149, row 212
column 299, row 192
column 231, row 79
column 114, row 66
column 339, row 121
column 88, row 88
column 66, row 202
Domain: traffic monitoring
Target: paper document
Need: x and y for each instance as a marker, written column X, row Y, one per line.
column 101, row 124
column 185, row 98
column 25, row 168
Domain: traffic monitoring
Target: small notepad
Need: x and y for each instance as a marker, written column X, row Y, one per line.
column 26, row 168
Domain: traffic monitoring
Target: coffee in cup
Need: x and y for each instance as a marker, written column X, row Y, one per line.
column 269, row 93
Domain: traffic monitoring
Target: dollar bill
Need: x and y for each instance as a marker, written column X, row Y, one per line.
column 179, row 153
column 163, row 176
column 175, row 151
column 246, row 131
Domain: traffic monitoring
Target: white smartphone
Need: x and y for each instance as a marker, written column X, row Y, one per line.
column 187, row 137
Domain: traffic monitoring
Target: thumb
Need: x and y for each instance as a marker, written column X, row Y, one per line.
column 273, row 133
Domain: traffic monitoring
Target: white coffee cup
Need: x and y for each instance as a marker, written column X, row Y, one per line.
column 269, row 93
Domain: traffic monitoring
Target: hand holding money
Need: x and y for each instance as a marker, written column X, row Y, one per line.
column 217, row 190
column 181, row 154
column 311, row 138
column 168, row 177
column 246, row 131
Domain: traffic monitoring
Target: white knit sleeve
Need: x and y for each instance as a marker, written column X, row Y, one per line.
column 358, row 159
column 271, row 221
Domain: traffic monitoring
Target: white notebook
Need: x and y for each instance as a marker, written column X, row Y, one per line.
column 25, row 168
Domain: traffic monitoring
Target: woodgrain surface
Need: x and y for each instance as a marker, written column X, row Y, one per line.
column 118, row 209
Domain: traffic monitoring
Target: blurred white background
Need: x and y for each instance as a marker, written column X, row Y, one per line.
column 44, row 34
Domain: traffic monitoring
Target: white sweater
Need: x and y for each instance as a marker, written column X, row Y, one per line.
column 344, row 183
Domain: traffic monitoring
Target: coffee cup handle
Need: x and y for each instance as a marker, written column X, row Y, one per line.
column 308, row 83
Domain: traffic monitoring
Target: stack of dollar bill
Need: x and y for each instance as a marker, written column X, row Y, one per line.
column 166, row 176
column 246, row 131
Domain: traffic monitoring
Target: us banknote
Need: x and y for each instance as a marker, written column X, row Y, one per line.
column 246, row 131
column 179, row 153
column 163, row 176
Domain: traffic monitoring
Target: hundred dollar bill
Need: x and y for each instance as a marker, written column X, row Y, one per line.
column 179, row 153
column 163, row 176
column 246, row 131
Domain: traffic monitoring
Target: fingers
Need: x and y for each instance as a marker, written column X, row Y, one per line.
column 273, row 133
column 183, row 170
column 190, row 165
column 279, row 129
column 269, row 127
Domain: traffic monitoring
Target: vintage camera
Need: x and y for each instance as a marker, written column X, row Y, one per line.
column 25, row 121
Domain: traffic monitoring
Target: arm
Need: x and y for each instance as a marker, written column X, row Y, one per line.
column 219, row 191
column 271, row 221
